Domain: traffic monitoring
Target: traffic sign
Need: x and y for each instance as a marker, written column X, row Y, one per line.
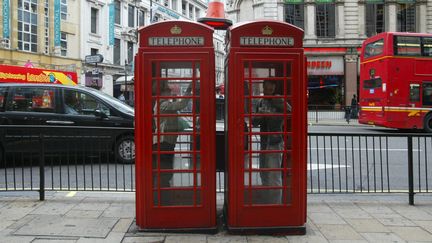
column 94, row 58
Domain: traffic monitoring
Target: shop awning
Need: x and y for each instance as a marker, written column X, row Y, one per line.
column 121, row 80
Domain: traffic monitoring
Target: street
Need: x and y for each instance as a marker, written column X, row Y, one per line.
column 335, row 164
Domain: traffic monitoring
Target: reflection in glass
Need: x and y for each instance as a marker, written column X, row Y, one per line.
column 267, row 69
column 176, row 144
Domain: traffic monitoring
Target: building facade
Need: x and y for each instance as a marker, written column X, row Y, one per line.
column 334, row 31
column 110, row 28
column 41, row 33
column 59, row 34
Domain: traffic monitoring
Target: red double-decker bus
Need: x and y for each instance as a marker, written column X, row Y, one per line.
column 396, row 81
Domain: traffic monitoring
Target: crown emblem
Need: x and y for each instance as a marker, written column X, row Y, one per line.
column 267, row 30
column 176, row 30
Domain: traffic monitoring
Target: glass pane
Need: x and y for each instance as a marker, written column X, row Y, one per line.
column 33, row 99
column 170, row 179
column 427, row 46
column 414, row 92
column 176, row 69
column 407, row 46
column 267, row 69
column 427, row 94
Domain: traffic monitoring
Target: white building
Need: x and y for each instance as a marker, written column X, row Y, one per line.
column 334, row 31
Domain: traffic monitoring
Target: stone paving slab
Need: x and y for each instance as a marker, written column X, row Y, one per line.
column 109, row 217
column 55, row 225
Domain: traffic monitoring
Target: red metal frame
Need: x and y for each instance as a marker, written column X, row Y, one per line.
column 197, row 211
column 389, row 105
column 245, row 211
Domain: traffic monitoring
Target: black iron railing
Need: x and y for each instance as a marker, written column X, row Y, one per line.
column 71, row 159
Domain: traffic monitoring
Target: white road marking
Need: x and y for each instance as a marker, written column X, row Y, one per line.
column 325, row 166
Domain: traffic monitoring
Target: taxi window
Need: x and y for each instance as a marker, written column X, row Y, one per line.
column 2, row 97
column 33, row 99
column 79, row 103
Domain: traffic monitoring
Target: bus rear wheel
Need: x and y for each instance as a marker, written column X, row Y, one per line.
column 428, row 123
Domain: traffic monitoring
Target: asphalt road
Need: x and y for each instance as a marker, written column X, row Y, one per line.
column 335, row 164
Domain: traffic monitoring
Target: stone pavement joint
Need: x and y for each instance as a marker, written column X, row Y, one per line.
column 110, row 217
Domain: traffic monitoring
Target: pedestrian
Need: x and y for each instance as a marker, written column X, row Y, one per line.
column 271, row 122
column 166, row 143
column 354, row 107
column 122, row 97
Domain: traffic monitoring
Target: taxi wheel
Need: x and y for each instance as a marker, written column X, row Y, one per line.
column 125, row 149
column 428, row 123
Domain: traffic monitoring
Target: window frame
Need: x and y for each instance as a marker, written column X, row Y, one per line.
column 298, row 18
column 117, row 12
column 63, row 6
column 117, row 52
column 27, row 18
column 94, row 21
column 402, row 16
column 64, row 43
column 329, row 23
column 373, row 11
column 131, row 16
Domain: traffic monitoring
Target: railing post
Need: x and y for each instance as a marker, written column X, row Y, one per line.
column 410, row 171
column 41, row 168
column 316, row 114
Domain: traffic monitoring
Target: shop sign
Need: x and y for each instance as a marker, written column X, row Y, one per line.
column 15, row 74
column 325, row 66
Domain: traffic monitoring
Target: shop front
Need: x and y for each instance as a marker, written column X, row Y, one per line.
column 325, row 80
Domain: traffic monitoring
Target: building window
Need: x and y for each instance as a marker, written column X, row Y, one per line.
column 174, row 5
column 325, row 20
column 131, row 15
column 130, row 50
column 374, row 18
column 94, row 20
column 63, row 9
column 116, row 51
column 294, row 14
column 46, row 27
column 183, row 8
column 406, row 15
column 27, row 25
column 63, row 43
column 117, row 12
column 141, row 17
column 94, row 51
column 190, row 11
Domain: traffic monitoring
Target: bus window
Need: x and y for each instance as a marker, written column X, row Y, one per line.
column 427, row 94
column 372, row 83
column 374, row 49
column 427, row 46
column 407, row 46
column 414, row 93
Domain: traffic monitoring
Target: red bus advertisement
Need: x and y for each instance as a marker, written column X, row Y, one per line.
column 396, row 81
column 16, row 74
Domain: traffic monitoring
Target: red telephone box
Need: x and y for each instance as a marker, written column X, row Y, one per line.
column 266, row 129
column 175, row 114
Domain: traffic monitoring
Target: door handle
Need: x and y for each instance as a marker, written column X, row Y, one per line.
column 60, row 122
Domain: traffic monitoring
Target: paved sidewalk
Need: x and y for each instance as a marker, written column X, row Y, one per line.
column 80, row 217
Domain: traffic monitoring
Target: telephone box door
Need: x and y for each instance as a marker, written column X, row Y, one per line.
column 271, row 179
column 175, row 171
column 266, row 139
